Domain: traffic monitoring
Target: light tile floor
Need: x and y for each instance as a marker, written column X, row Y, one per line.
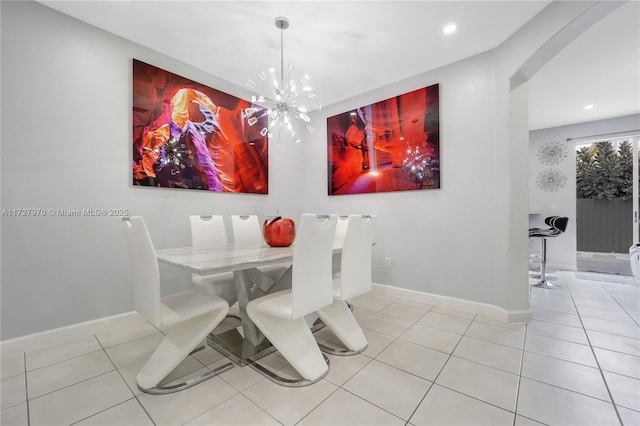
column 577, row 362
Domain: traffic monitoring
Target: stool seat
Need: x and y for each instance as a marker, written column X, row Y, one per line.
column 557, row 227
column 548, row 221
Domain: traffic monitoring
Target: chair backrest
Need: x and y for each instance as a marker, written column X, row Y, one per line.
column 312, row 283
column 341, row 227
column 341, row 230
column 560, row 223
column 355, row 278
column 146, row 276
column 549, row 220
column 207, row 231
column 246, row 229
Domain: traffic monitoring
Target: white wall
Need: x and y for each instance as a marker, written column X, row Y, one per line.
column 66, row 115
column 440, row 241
column 561, row 251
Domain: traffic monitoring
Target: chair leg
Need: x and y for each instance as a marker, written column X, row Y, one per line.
column 283, row 380
column 295, row 342
column 543, row 283
column 340, row 320
column 179, row 341
column 260, row 280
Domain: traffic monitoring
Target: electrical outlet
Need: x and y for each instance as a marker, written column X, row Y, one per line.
column 387, row 262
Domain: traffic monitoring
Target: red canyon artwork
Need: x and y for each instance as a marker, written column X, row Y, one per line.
column 392, row 145
column 188, row 135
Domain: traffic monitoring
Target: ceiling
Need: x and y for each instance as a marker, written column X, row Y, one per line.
column 352, row 47
column 601, row 68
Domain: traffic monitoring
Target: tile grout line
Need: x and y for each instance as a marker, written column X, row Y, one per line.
column 433, row 383
column 524, row 342
column 102, row 411
column 125, row 382
column 338, row 387
column 395, row 339
column 449, row 356
column 368, row 402
column 375, row 359
column 64, row 360
column 618, row 303
column 26, row 388
column 615, row 406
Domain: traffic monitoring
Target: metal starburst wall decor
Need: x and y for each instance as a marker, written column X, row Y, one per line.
column 551, row 180
column 552, row 153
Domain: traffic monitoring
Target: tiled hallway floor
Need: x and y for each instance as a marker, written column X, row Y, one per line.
column 577, row 362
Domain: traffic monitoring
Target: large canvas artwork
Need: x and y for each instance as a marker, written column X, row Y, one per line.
column 188, row 135
column 391, row 145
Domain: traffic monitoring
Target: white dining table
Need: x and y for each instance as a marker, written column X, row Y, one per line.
column 243, row 260
column 226, row 258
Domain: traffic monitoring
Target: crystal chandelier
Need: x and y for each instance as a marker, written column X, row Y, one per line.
column 283, row 99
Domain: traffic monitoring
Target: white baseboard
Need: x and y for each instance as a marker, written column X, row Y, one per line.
column 49, row 337
column 486, row 309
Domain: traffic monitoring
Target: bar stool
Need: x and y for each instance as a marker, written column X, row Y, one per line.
column 536, row 257
column 557, row 226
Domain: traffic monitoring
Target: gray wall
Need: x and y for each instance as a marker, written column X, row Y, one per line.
column 66, row 106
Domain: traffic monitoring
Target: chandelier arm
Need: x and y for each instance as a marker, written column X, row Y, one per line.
column 267, row 102
column 295, row 113
column 282, row 57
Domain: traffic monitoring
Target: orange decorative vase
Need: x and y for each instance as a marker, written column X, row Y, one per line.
column 279, row 231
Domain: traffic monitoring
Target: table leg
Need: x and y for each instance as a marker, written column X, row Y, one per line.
column 259, row 279
column 243, row 289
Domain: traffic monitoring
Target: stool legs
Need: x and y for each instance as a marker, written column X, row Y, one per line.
column 543, row 283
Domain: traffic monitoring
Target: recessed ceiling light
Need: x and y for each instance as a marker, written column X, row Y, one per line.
column 590, row 106
column 449, row 29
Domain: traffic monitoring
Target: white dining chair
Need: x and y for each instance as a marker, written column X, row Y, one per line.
column 185, row 317
column 247, row 230
column 341, row 230
column 280, row 315
column 354, row 281
column 207, row 232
